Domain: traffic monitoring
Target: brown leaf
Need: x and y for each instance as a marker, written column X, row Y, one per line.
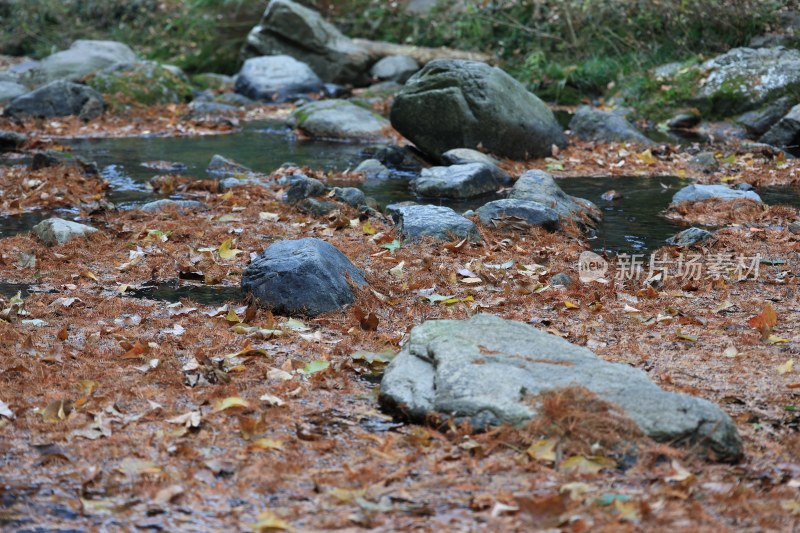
column 765, row 321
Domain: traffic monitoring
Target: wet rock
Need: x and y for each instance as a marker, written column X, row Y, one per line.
column 758, row 122
column 81, row 58
column 438, row 222
column 226, row 168
column 513, row 213
column 143, row 82
column 539, row 186
column 704, row 162
column 276, row 79
column 166, row 204
column 463, row 156
column 372, row 168
column 786, row 133
column 11, row 140
column 601, row 126
column 57, row 99
column 684, row 121
column 435, row 375
column 52, row 158
column 339, row 120
column 394, row 68
column 612, row 196
column 689, row 237
column 301, row 187
column 290, row 29
column 305, row 276
column 465, row 104
column 10, row 90
column 456, row 181
column 561, row 279
column 56, row 230
column 352, row 196
column 696, row 193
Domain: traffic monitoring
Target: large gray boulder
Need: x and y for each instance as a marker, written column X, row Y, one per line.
column 394, row 68
column 10, row 90
column 489, row 371
column 80, row 59
column 339, row 120
column 304, row 276
column 290, row 29
column 57, row 99
column 602, row 126
column 437, row 222
column 539, row 186
column 467, row 104
column 759, row 121
column 276, row 79
column 54, row 231
column 696, row 193
column 786, row 133
column 509, row 212
column 456, row 181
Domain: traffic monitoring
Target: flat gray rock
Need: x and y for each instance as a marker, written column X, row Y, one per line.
column 456, row 181
column 372, row 168
column 510, row 212
column 462, row 156
column 304, row 276
column 157, row 206
column 57, row 99
column 54, row 231
column 539, row 186
column 466, row 104
column 601, row 126
column 352, row 196
column 487, row 370
column 696, row 193
column 339, row 120
column 81, row 58
column 276, row 79
column 438, row 222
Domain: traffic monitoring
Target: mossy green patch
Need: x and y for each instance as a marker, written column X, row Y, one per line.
column 142, row 85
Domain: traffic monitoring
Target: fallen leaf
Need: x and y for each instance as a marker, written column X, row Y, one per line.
column 225, row 250
column 571, row 305
column 764, row 321
column 786, row 367
column 229, row 403
column 5, row 410
column 397, row 271
column 316, row 366
column 272, row 400
column 579, row 464
column 57, row 411
column 266, row 444
column 269, row 522
column 543, row 450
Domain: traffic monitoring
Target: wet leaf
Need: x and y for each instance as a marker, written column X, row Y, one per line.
column 316, row 366
column 226, row 251
column 543, row 450
column 229, row 403
column 579, row 464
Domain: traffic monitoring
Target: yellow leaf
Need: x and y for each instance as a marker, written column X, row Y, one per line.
column 232, row 317
column 786, row 367
column 266, row 444
column 89, row 275
column 230, row 402
column 397, row 271
column 792, row 506
column 571, row 305
column 684, row 337
column 225, row 250
column 368, row 229
column 579, row 464
column 268, row 522
column 646, row 157
column 774, row 339
column 543, row 450
column 627, row 511
column 227, row 196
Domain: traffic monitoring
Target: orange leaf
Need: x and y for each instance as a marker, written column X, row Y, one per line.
column 765, row 321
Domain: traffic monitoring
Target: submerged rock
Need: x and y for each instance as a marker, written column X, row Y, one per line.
column 601, row 126
column 438, row 222
column 539, row 186
column 696, row 193
column 276, row 79
column 304, row 276
column 56, row 230
column 339, row 120
column 466, row 104
column 489, row 371
column 57, row 99
column 510, row 212
column 288, row 28
column 456, row 181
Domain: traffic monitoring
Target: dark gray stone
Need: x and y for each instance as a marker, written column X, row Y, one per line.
column 339, row 120
column 352, row 196
column 158, row 206
column 226, row 168
column 759, row 121
column 513, row 213
column 539, row 186
column 466, row 104
column 402, row 158
column 305, row 276
column 301, row 187
column 317, row 208
column 291, row 29
column 696, row 193
column 57, row 99
column 601, row 126
column 438, row 222
column 372, row 168
column 786, row 133
column 561, row 279
column 463, row 156
column 689, row 236
column 394, row 68
column 456, row 181
column 11, row 140
column 684, row 121
column 436, row 374
column 56, row 230
column 276, row 79
column 704, row 162
column 81, row 58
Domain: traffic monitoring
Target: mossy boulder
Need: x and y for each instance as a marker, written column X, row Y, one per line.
column 141, row 84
